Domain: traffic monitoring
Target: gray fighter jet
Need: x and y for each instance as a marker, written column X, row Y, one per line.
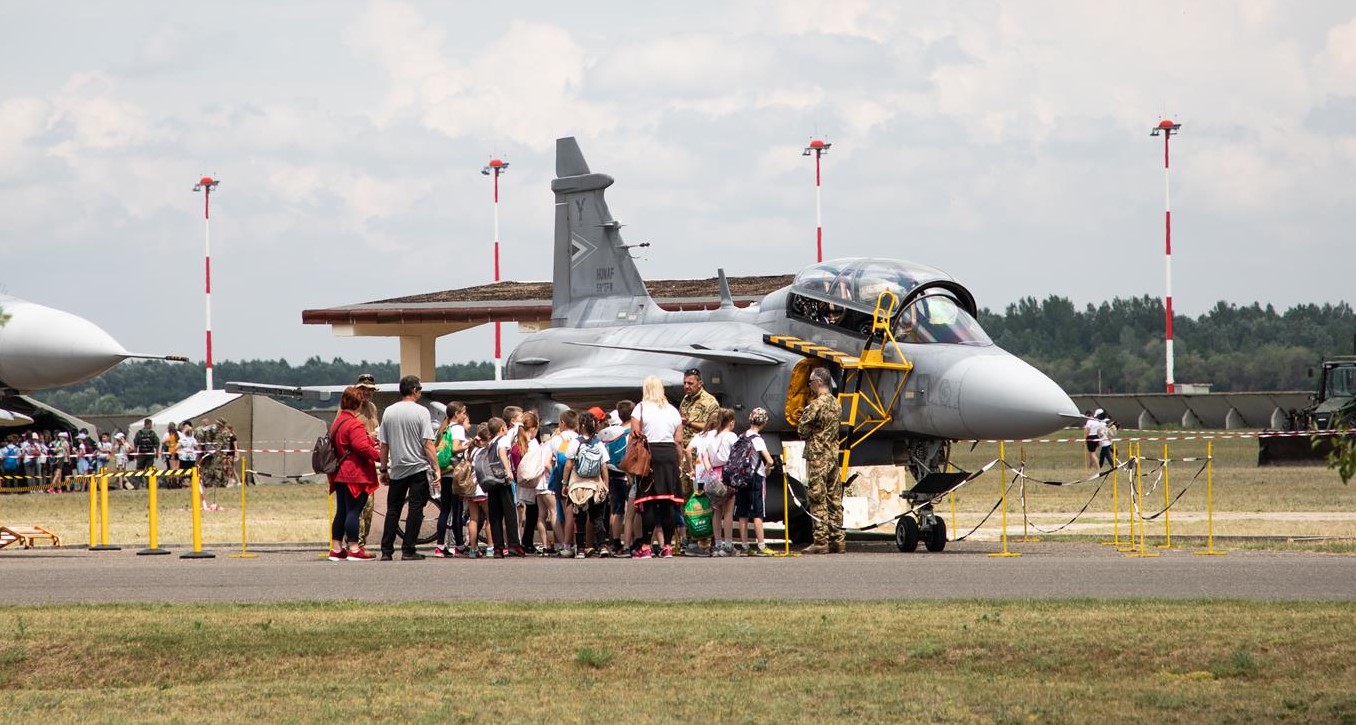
column 42, row 347
column 914, row 369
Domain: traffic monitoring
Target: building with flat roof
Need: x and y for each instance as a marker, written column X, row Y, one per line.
column 419, row 320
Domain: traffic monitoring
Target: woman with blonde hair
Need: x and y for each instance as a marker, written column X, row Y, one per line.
column 656, row 494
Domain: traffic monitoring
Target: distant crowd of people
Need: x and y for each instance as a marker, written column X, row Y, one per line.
column 508, row 488
column 59, row 461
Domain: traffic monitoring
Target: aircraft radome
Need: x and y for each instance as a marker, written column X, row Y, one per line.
column 42, row 347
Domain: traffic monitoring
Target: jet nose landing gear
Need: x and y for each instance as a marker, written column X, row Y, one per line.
column 921, row 525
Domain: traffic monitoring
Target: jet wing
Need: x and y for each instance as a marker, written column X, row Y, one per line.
column 739, row 357
column 616, row 381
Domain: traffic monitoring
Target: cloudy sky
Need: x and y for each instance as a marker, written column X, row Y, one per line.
column 1005, row 142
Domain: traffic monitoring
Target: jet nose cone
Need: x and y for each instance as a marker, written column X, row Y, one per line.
column 45, row 348
column 1003, row 397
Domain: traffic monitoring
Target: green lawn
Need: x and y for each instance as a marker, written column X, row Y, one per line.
column 626, row 662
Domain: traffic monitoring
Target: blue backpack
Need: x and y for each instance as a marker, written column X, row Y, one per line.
column 558, row 471
column 11, row 462
column 616, row 450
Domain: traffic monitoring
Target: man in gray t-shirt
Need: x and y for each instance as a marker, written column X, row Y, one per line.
column 409, row 463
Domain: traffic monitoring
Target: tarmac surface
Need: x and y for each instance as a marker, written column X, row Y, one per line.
column 873, row 572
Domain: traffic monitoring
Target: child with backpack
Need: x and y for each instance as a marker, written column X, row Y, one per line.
column 477, row 511
column 616, row 436
column 493, row 469
column 551, row 501
column 586, row 487
column 718, row 447
column 451, row 449
column 529, row 468
column 746, row 472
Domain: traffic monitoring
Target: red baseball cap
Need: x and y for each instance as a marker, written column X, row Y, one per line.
column 598, row 413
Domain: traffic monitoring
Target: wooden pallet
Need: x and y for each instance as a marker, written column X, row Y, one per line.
column 26, row 536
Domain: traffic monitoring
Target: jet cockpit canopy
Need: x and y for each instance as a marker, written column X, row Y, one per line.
column 844, row 292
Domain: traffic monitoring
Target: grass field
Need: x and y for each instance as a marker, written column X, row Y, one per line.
column 1249, row 501
column 772, row 662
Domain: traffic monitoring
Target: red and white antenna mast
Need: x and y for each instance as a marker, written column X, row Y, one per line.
column 818, row 148
column 1167, row 129
column 206, row 185
column 495, row 168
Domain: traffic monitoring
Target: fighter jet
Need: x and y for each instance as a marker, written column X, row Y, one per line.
column 42, row 347
column 914, row 368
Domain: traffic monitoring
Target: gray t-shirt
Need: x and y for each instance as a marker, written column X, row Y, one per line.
column 404, row 428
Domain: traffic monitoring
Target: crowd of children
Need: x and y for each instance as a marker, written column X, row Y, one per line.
column 508, row 488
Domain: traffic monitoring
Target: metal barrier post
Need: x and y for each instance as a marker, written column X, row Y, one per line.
column 93, row 511
column 102, row 482
column 153, row 506
column 1026, row 518
column 786, row 511
column 1142, row 552
column 244, row 554
column 1167, row 503
column 195, row 498
column 1210, row 549
column 1003, row 489
column 1115, row 501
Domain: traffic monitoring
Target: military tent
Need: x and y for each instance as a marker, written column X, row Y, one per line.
column 271, row 435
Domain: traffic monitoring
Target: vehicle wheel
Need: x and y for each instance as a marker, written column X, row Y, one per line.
column 936, row 540
column 802, row 528
column 906, row 534
column 428, row 530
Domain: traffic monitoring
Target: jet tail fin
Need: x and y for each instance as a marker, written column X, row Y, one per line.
column 592, row 262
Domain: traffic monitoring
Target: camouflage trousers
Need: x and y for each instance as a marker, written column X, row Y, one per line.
column 365, row 523
column 825, row 500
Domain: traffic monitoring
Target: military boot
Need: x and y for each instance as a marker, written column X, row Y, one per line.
column 838, row 547
column 815, row 549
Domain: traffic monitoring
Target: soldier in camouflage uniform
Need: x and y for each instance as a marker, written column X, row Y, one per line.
column 818, row 427
column 695, row 408
column 215, row 464
column 367, row 413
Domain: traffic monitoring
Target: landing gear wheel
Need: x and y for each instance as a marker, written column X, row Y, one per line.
column 906, row 534
column 936, row 540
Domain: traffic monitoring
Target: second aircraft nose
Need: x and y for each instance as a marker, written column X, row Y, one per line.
column 1003, row 397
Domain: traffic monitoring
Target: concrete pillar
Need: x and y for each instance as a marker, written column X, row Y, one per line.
column 417, row 356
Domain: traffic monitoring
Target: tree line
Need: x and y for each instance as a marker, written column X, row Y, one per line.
column 1116, row 346
column 140, row 387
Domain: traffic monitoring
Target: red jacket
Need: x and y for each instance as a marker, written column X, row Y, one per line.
column 359, row 467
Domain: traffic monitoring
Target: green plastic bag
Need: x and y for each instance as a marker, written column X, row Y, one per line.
column 444, row 451
column 697, row 514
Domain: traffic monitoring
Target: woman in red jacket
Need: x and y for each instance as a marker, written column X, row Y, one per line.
column 355, row 480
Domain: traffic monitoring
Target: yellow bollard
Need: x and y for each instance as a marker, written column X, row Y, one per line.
column 1210, row 549
column 244, row 554
column 1142, row 552
column 1003, row 490
column 102, row 482
column 153, row 507
column 1026, row 537
column 786, row 512
column 195, row 498
column 93, row 511
column 1115, row 502
column 1167, row 502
